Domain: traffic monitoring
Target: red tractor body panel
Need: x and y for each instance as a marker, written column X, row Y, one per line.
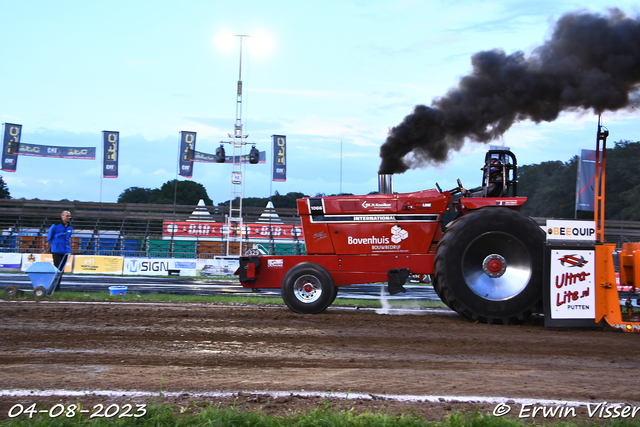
column 358, row 239
column 376, row 224
column 363, row 239
column 345, row 270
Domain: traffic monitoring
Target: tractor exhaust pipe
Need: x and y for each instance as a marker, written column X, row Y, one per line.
column 385, row 183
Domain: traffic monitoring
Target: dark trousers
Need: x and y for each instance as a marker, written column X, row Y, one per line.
column 57, row 260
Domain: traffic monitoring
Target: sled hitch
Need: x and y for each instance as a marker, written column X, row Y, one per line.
column 249, row 267
column 396, row 278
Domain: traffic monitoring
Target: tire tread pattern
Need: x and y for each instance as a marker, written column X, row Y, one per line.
column 445, row 253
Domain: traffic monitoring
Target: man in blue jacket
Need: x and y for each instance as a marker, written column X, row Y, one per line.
column 59, row 237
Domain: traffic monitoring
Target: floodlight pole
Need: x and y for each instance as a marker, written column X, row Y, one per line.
column 234, row 230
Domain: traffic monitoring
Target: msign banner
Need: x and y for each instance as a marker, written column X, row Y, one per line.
column 158, row 266
column 10, row 144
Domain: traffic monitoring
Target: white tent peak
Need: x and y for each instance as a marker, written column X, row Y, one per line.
column 269, row 215
column 200, row 213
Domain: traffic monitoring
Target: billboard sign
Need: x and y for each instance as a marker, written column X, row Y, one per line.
column 199, row 156
column 573, row 293
column 35, row 150
column 111, row 144
column 187, row 146
column 279, row 158
column 10, row 146
column 218, row 230
column 585, row 191
column 158, row 266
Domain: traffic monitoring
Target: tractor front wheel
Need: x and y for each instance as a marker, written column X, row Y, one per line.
column 488, row 266
column 308, row 288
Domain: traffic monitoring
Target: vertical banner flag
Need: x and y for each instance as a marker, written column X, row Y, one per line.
column 187, row 145
column 111, row 142
column 10, row 147
column 279, row 158
column 585, row 192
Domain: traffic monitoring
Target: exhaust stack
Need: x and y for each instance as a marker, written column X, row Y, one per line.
column 385, row 183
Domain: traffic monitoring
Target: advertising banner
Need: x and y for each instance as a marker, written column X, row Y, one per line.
column 221, row 266
column 216, row 230
column 279, row 158
column 111, row 146
column 585, row 191
column 584, row 231
column 93, row 264
column 10, row 260
column 29, row 259
column 572, row 284
column 187, row 145
column 10, row 145
column 198, row 156
column 34, row 150
column 158, row 266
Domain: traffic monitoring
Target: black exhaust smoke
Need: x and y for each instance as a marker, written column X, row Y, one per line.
column 591, row 62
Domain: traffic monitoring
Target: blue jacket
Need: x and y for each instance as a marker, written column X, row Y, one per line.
column 59, row 238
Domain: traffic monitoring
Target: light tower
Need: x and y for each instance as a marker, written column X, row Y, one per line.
column 238, row 141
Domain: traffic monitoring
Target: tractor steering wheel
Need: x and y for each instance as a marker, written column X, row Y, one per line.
column 457, row 189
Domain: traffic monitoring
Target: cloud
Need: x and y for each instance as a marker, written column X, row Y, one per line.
column 303, row 93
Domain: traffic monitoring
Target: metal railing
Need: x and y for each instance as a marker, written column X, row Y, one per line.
column 127, row 229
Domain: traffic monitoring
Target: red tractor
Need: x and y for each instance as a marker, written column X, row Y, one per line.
column 486, row 264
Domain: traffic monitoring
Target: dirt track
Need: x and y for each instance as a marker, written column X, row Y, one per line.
column 206, row 348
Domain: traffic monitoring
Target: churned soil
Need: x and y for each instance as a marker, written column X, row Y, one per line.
column 194, row 350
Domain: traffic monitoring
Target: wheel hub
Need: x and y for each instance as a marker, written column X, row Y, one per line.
column 494, row 266
column 486, row 272
column 307, row 288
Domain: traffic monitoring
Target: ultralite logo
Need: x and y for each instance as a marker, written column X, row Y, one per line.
column 573, row 261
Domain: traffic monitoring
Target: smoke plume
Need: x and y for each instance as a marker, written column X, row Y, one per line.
column 591, row 62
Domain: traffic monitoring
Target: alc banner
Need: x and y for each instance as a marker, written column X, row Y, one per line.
column 35, row 150
column 10, row 146
column 111, row 144
column 187, row 145
column 279, row 158
column 199, row 156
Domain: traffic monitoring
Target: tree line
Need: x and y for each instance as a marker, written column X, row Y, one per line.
column 550, row 188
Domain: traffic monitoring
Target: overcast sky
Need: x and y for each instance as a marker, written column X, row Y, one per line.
column 327, row 74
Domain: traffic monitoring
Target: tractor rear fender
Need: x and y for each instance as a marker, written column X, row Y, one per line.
column 466, row 204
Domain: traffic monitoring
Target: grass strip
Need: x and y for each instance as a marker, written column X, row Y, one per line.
column 195, row 415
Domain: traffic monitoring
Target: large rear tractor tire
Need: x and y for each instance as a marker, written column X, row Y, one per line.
column 308, row 288
column 488, row 266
